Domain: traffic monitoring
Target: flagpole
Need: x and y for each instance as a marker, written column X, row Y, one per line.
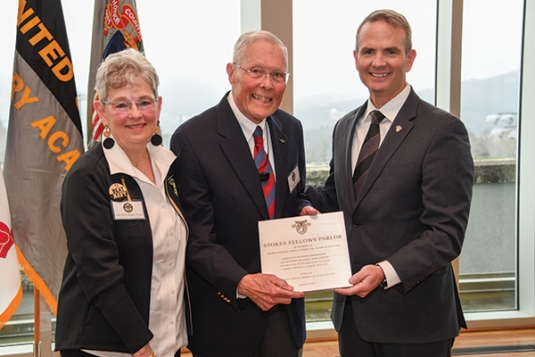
column 36, row 323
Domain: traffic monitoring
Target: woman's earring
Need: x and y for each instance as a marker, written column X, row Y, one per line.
column 156, row 139
column 108, row 142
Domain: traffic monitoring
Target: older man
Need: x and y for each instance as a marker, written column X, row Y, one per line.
column 402, row 173
column 238, row 159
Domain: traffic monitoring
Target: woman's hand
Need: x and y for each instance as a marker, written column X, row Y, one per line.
column 145, row 351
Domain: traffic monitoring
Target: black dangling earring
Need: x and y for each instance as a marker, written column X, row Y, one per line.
column 108, row 142
column 156, row 139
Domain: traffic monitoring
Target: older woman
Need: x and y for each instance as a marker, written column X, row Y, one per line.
column 123, row 284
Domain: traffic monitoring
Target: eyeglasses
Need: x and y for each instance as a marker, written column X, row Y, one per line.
column 123, row 106
column 256, row 73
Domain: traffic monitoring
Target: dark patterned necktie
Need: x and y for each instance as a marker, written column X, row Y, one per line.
column 367, row 151
column 265, row 171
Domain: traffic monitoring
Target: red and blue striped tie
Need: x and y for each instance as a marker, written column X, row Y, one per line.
column 265, row 171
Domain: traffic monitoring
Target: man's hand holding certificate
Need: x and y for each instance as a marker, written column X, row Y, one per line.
column 309, row 252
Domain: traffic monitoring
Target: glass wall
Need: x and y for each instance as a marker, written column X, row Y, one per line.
column 490, row 91
column 189, row 43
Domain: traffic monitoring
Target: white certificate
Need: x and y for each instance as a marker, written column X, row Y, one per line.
column 309, row 252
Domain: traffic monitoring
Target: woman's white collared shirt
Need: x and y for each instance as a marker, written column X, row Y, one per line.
column 166, row 317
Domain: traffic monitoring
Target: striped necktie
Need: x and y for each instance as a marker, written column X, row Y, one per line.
column 367, row 151
column 265, row 171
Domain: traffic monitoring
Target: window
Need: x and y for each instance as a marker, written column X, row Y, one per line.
column 489, row 109
column 189, row 43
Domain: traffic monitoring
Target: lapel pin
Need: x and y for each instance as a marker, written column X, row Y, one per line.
column 398, row 128
column 282, row 140
column 172, row 182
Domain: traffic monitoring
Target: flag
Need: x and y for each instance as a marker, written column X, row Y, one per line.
column 115, row 28
column 44, row 139
column 11, row 292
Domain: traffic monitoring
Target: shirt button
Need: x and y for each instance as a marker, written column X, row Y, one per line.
column 172, row 322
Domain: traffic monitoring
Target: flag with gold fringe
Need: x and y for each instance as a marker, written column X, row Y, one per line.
column 11, row 291
column 44, row 139
column 115, row 28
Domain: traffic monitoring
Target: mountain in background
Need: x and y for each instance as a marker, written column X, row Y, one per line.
column 181, row 101
column 482, row 97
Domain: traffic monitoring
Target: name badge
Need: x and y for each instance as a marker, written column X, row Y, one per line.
column 128, row 210
column 294, row 179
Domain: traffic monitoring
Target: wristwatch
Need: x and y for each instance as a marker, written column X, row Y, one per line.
column 384, row 284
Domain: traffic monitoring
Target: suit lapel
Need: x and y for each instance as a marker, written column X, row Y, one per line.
column 348, row 137
column 236, row 149
column 279, row 146
column 401, row 127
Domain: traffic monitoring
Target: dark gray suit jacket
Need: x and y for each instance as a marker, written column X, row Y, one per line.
column 412, row 211
column 223, row 201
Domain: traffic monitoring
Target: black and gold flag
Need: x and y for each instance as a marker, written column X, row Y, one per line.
column 44, row 139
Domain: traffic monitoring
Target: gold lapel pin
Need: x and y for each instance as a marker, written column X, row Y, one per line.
column 398, row 128
column 171, row 181
column 282, row 140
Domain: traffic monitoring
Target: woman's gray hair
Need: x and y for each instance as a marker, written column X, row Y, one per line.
column 122, row 68
column 248, row 38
